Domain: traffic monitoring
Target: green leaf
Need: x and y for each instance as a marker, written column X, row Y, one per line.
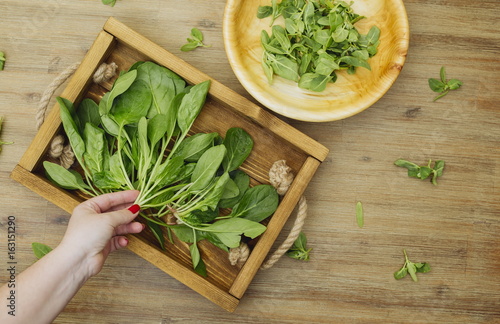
column 454, row 84
column 373, row 35
column 191, row 105
column 201, row 268
column 401, row 273
column 110, row 3
column 436, row 85
column 424, row 172
column 354, row 61
column 264, row 11
column 238, row 145
column 157, row 232
column 442, row 74
column 257, row 203
column 207, row 166
column 280, row 34
column 406, row 164
column 194, row 146
column 423, row 267
column 412, row 270
column 40, row 249
column 314, row 82
column 132, row 104
column 242, row 181
column 359, row 214
column 122, row 84
column 326, row 65
column 88, row 112
column 163, row 84
column 229, row 231
column 299, row 250
column 158, row 126
column 69, row 125
column 2, row 60
column 64, row 178
column 197, row 34
column 195, row 254
column 94, row 148
column 285, row 68
column 189, row 47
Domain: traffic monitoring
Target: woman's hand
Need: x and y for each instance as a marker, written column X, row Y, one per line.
column 97, row 228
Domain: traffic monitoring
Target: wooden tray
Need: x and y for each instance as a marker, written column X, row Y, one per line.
column 274, row 140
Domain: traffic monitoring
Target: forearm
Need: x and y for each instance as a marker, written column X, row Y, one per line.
column 45, row 288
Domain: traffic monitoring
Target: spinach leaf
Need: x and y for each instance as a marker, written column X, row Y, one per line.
column 160, row 84
column 157, row 232
column 88, row 112
column 94, row 148
column 238, row 144
column 67, row 179
column 242, row 181
column 257, row 203
column 191, row 105
column 229, row 231
column 207, row 166
column 194, row 146
column 69, row 125
column 133, row 104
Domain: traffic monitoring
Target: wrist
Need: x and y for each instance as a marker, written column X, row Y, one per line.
column 75, row 260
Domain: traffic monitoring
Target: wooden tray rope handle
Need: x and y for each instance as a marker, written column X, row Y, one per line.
column 57, row 148
column 281, row 177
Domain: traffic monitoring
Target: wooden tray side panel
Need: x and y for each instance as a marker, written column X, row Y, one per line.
column 274, row 227
column 44, row 188
column 102, row 46
column 179, row 272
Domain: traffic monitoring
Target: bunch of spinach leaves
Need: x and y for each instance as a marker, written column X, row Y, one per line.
column 137, row 138
column 319, row 38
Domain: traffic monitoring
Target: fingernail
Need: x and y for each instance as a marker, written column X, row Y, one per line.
column 126, row 240
column 143, row 226
column 134, row 208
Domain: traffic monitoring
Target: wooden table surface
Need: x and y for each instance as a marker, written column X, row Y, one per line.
column 454, row 226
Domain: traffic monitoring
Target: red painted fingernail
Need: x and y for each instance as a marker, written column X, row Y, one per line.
column 134, row 208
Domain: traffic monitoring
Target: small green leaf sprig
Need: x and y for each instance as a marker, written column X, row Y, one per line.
column 110, row 3
column 299, row 250
column 423, row 172
column 40, row 249
column 195, row 41
column 1, row 142
column 2, row 60
column 411, row 268
column 443, row 86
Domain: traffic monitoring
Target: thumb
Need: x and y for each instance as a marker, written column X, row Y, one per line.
column 124, row 216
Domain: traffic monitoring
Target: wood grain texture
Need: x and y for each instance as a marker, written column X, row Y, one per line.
column 453, row 226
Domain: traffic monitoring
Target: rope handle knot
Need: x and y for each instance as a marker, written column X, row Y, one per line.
column 280, row 177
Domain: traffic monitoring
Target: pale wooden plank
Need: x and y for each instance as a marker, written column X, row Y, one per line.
column 73, row 92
